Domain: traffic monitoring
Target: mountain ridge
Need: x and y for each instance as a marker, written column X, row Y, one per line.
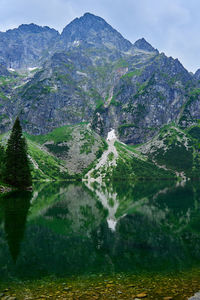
column 90, row 73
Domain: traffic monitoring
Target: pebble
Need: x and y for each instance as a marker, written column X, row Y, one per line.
column 142, row 295
column 131, row 285
column 67, row 289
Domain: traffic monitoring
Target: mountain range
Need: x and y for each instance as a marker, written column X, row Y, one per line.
column 90, row 74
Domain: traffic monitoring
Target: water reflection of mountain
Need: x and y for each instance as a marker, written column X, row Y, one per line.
column 69, row 231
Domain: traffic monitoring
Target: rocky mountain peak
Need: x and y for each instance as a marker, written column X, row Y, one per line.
column 142, row 44
column 94, row 30
column 30, row 29
column 33, row 28
column 90, row 73
column 88, row 20
column 23, row 47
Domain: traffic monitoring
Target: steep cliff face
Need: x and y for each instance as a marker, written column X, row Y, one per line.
column 90, row 73
column 147, row 97
column 191, row 111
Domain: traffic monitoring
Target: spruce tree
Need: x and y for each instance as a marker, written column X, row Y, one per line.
column 17, row 170
column 2, row 161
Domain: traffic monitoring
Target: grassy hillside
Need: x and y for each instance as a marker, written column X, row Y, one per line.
column 175, row 149
column 44, row 165
column 69, row 152
column 133, row 165
column 65, row 153
column 74, row 147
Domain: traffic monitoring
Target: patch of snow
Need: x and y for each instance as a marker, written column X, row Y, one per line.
column 76, row 43
column 11, row 69
column 81, row 73
column 32, row 69
column 111, row 135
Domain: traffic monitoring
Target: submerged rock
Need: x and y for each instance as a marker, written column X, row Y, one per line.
column 195, row 297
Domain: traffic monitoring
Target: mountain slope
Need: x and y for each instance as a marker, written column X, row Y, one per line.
column 26, row 46
column 65, row 153
column 94, row 30
column 90, row 73
column 176, row 150
column 147, row 97
column 76, row 146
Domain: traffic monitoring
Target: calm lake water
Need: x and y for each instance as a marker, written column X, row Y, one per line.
column 66, row 229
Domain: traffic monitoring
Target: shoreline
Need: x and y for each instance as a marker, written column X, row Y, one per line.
column 183, row 285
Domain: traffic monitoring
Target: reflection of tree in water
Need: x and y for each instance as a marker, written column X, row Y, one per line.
column 16, row 206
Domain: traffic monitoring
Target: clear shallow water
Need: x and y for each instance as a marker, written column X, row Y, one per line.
column 66, row 229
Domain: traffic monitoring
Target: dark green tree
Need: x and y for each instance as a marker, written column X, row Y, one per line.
column 2, row 161
column 17, row 170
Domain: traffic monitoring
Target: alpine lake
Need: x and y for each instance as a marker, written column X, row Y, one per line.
column 121, row 240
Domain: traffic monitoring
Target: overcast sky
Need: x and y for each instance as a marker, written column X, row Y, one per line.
column 171, row 26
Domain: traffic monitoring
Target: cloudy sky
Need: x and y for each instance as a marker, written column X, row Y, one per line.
column 171, row 26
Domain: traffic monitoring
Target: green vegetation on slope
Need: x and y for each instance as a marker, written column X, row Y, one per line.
column 44, row 165
column 175, row 149
column 178, row 153
column 134, row 166
column 58, row 135
column 70, row 151
column 75, row 149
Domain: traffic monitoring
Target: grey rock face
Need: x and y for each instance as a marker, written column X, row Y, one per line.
column 94, row 30
column 197, row 75
column 144, row 45
column 4, row 71
column 26, row 46
column 153, row 96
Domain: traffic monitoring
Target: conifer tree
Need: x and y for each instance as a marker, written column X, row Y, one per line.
column 2, row 161
column 17, row 170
